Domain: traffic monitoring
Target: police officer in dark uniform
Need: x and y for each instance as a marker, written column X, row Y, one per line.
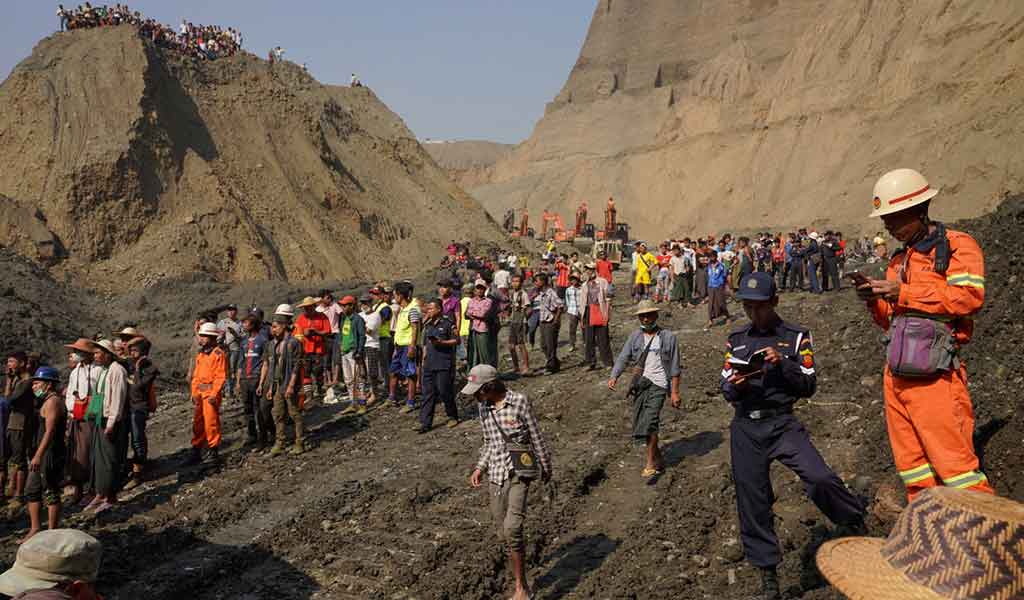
column 769, row 365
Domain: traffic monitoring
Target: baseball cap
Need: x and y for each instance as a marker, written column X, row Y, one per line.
column 478, row 376
column 757, row 286
column 52, row 557
column 347, row 300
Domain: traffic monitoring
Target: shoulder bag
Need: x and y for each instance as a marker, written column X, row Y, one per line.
column 524, row 463
column 640, row 383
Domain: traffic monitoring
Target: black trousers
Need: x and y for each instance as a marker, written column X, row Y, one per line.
column 549, row 343
column 595, row 338
column 438, row 385
column 830, row 274
column 754, row 446
column 796, row 273
column 258, row 411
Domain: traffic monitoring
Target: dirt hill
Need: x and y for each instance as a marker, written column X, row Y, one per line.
column 125, row 163
column 784, row 112
column 468, row 162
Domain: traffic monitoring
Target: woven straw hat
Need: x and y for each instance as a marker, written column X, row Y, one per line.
column 947, row 543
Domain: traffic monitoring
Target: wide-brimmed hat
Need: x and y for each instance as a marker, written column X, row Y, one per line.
column 308, row 301
column 82, row 345
column 646, row 306
column 105, row 345
column 947, row 543
column 209, row 330
column 127, row 333
column 52, row 557
column 590, row 266
column 879, row 241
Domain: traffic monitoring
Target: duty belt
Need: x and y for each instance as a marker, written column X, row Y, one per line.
column 765, row 413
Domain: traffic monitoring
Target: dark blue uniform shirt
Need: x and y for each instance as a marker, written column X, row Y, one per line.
column 780, row 385
column 439, row 358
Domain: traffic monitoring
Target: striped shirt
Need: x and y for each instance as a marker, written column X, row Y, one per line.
column 516, row 419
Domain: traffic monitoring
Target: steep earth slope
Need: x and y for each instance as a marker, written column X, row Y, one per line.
column 142, row 166
column 468, row 162
column 776, row 112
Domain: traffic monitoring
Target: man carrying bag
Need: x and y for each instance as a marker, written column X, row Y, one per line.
column 514, row 454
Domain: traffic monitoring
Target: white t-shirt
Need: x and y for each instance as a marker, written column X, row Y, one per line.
column 654, row 370
column 372, row 320
column 501, row 278
column 678, row 265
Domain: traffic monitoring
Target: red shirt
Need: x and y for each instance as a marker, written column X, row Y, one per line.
column 604, row 270
column 663, row 259
column 563, row 275
column 318, row 322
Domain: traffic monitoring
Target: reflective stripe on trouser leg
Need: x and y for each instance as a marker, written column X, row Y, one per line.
column 917, row 474
column 942, row 418
column 965, row 480
column 907, row 450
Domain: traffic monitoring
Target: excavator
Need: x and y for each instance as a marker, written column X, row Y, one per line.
column 553, row 227
column 612, row 237
column 524, row 226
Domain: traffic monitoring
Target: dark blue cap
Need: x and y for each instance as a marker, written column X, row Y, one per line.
column 757, row 286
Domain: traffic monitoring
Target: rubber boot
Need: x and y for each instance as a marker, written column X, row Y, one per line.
column 278, row 448
column 770, row 584
column 213, row 456
column 299, row 447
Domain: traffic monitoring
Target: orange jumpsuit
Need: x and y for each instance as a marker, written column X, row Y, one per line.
column 208, row 378
column 931, row 420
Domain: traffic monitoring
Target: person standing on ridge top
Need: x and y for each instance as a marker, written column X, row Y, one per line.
column 933, row 287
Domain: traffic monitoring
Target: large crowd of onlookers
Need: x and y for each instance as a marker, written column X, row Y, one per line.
column 204, row 42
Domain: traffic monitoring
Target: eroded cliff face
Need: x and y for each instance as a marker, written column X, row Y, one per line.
column 699, row 116
column 124, row 162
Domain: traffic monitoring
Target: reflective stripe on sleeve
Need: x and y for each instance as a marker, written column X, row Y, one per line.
column 966, row 280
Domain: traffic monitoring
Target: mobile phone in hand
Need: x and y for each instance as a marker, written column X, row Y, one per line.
column 857, row 278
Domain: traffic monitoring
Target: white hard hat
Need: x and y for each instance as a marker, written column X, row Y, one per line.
column 899, row 190
column 284, row 310
column 209, row 329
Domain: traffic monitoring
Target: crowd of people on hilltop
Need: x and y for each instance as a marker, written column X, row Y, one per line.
column 203, row 42
column 69, row 432
column 708, row 270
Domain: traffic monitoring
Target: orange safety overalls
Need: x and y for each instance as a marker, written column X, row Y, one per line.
column 931, row 420
column 208, row 380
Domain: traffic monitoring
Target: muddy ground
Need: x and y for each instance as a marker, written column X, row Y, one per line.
column 375, row 511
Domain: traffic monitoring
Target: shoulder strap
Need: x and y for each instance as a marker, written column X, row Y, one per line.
column 504, row 435
column 642, row 360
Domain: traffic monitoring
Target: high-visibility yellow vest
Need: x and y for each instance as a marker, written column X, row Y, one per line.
column 385, row 324
column 403, row 328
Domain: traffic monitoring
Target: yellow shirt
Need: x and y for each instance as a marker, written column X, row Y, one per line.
column 464, row 325
column 644, row 264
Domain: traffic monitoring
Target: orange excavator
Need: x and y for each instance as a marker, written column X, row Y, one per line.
column 524, row 226
column 553, row 227
column 581, row 219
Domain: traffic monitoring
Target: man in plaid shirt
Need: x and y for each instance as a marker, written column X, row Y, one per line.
column 500, row 407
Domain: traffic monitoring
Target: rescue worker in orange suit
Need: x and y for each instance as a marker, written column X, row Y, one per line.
column 208, row 379
column 932, row 288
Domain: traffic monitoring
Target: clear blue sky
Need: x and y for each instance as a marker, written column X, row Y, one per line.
column 480, row 69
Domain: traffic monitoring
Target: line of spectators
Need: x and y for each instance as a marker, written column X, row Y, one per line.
column 204, row 42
